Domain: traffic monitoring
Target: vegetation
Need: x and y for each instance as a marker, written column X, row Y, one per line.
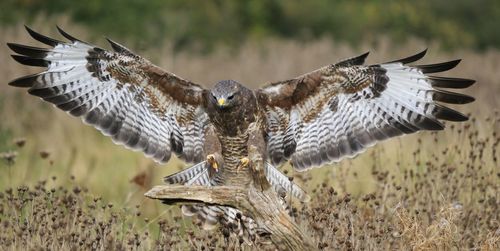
column 446, row 199
column 65, row 186
column 204, row 24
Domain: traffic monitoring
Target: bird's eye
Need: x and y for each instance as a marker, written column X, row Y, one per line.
column 213, row 96
column 230, row 97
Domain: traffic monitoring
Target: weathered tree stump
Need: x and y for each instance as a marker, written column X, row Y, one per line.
column 257, row 200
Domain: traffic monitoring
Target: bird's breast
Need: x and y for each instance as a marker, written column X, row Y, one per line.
column 234, row 148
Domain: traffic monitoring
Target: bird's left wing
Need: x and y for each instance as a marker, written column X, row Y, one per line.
column 341, row 109
column 120, row 93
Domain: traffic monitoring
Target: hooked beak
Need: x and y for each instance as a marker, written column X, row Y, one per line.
column 221, row 101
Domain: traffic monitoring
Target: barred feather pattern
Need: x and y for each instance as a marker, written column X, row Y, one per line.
column 277, row 121
column 232, row 218
column 211, row 216
column 121, row 94
column 235, row 220
column 340, row 110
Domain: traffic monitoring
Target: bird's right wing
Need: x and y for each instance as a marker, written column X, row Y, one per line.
column 341, row 109
column 120, row 93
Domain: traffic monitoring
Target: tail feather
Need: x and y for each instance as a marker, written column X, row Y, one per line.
column 280, row 181
column 231, row 218
column 186, row 175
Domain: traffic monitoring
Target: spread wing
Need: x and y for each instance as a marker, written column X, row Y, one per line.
column 120, row 93
column 341, row 109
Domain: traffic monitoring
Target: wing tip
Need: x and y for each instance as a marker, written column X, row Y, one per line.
column 364, row 55
column 42, row 38
column 117, row 47
column 451, row 97
column 68, row 36
column 454, row 83
column 114, row 45
column 25, row 81
column 439, row 67
column 11, row 45
column 25, row 60
column 357, row 60
column 410, row 59
column 33, row 52
column 29, row 30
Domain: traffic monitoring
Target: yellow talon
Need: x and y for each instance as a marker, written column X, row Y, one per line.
column 211, row 160
column 244, row 161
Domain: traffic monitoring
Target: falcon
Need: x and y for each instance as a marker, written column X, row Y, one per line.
column 318, row 118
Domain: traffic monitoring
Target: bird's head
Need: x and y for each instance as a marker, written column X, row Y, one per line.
column 226, row 94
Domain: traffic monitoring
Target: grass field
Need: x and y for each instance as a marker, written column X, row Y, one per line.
column 65, row 186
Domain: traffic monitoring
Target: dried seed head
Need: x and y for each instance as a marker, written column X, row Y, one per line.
column 20, row 142
column 9, row 157
column 44, row 154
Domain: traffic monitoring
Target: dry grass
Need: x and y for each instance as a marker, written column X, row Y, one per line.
column 425, row 191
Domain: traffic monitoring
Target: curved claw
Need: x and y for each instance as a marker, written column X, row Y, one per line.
column 244, row 162
column 213, row 162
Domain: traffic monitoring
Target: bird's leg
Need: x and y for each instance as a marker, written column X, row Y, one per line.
column 214, row 161
column 213, row 148
column 256, row 144
column 257, row 168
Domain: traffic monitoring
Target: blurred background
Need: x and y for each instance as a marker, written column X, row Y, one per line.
column 202, row 26
column 253, row 42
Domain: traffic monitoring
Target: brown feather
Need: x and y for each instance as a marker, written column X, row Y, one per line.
column 336, row 111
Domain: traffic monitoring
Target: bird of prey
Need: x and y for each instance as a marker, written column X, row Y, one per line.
column 314, row 119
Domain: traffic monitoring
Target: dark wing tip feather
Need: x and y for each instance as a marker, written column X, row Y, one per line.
column 443, row 112
column 33, row 52
column 30, row 61
column 439, row 67
column 454, row 83
column 24, row 82
column 364, row 55
column 43, row 39
column 451, row 97
column 358, row 60
column 118, row 47
column 68, row 36
column 410, row 59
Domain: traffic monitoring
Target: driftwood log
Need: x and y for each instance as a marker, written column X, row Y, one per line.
column 257, row 200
